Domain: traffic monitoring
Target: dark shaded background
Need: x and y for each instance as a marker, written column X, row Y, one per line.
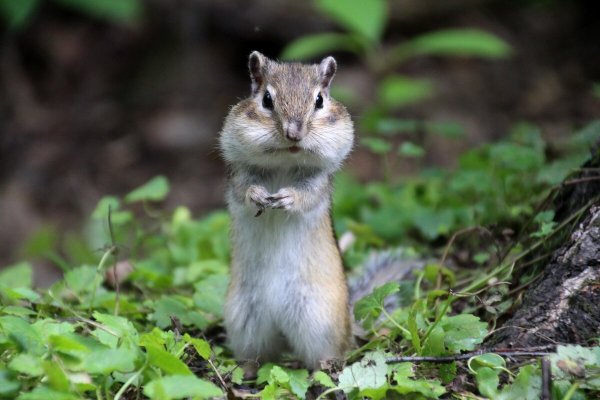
column 89, row 107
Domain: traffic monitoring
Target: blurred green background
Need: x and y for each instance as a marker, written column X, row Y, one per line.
column 466, row 111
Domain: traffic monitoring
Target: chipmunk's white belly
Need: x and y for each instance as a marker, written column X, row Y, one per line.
column 273, row 254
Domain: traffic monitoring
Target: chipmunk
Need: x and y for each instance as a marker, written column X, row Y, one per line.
column 282, row 145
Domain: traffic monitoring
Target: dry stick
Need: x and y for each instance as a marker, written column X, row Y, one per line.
column 579, row 180
column 546, row 379
column 115, row 252
column 218, row 375
column 466, row 356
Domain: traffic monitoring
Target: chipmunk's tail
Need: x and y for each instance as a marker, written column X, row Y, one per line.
column 380, row 268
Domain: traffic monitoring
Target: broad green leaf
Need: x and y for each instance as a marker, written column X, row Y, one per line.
column 398, row 91
column 56, row 377
column 83, row 279
column 427, row 387
column 202, row 347
column 169, row 306
column 120, row 11
column 26, row 364
column 323, row 379
column 487, row 381
column 368, row 373
column 108, row 360
column 310, row 46
column 181, row 386
column 264, row 373
column 43, row 393
column 376, row 145
column 586, row 136
column 154, row 190
column 463, row 332
column 17, row 12
column 572, row 361
column 366, row 18
column 121, row 326
column 454, row 42
column 49, row 327
column 527, row 385
column 210, row 292
column 410, row 149
column 22, row 334
column 299, row 382
column 278, row 375
column 166, row 361
column 18, row 275
column 9, row 385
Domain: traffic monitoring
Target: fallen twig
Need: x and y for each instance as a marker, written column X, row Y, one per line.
column 532, row 352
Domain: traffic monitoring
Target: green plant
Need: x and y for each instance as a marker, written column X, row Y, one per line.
column 363, row 23
column 17, row 13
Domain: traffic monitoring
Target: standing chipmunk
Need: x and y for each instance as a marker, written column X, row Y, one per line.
column 288, row 290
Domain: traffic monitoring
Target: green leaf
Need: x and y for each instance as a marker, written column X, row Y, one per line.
column 121, row 11
column 9, row 385
column 202, row 347
column 370, row 307
column 108, row 360
column 278, row 375
column 17, row 12
column 366, row 18
column 376, row 145
column 82, row 279
column 429, row 388
column 527, row 385
column 310, row 46
column 487, row 381
column 18, row 275
column 323, row 379
column 210, row 292
column 410, row 149
column 169, row 306
column 370, row 372
column 454, row 42
column 26, row 364
column 298, row 382
column 43, row 393
column 154, row 190
column 57, row 379
column 398, row 91
column 179, row 386
column 22, row 334
column 166, row 361
column 463, row 332
column 586, row 136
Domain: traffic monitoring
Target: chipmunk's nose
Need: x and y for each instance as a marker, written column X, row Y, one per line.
column 293, row 130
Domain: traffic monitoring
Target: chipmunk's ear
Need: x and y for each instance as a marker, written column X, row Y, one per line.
column 327, row 70
column 256, row 65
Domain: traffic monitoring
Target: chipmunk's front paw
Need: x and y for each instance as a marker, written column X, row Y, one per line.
column 258, row 197
column 283, row 199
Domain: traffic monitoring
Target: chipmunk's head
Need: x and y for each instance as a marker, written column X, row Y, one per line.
column 290, row 119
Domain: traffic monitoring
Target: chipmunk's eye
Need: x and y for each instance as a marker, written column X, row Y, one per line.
column 319, row 102
column 267, row 101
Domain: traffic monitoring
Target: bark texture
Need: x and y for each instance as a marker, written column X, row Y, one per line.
column 564, row 305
